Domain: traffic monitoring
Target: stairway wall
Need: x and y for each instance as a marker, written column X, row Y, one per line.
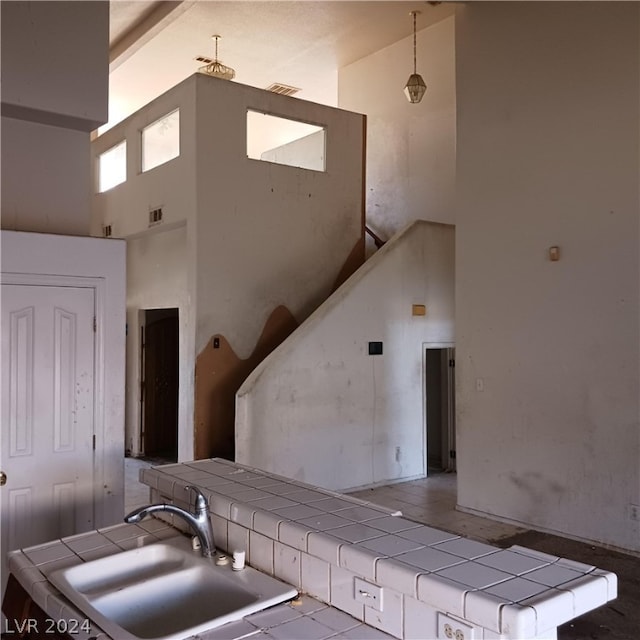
column 320, row 408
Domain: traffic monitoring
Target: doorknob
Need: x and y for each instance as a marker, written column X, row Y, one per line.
column 3, row 478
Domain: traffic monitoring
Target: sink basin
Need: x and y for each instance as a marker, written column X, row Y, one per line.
column 166, row 591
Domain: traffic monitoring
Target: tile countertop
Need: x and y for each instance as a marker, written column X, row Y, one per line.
column 304, row 617
column 322, row 543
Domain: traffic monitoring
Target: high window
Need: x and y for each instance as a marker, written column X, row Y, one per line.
column 283, row 141
column 161, row 141
column 112, row 167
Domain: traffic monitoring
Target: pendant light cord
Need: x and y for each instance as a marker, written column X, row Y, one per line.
column 414, row 42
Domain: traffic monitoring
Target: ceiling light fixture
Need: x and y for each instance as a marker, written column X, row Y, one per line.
column 415, row 87
column 216, row 68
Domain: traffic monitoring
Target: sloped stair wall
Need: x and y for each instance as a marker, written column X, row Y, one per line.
column 320, row 408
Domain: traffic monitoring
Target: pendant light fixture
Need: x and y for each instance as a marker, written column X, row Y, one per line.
column 216, row 68
column 415, row 87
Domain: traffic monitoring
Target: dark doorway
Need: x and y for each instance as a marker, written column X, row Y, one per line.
column 440, row 418
column 160, row 384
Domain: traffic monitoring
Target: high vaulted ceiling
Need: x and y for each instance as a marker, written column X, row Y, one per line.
column 301, row 43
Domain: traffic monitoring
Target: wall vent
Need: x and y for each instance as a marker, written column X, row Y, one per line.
column 106, row 231
column 155, row 216
column 282, row 89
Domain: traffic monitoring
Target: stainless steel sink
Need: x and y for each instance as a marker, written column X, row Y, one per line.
column 166, row 591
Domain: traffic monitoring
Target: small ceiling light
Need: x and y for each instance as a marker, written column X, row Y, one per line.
column 415, row 87
column 216, row 68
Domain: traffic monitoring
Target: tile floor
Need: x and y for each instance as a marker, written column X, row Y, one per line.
column 432, row 501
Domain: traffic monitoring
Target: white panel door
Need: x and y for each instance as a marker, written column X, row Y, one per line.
column 47, row 414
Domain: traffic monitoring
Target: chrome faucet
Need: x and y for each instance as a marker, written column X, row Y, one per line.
column 199, row 521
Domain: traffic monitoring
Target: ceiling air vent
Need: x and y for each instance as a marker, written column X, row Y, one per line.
column 282, row 89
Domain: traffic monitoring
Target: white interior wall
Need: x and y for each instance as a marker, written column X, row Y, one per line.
column 51, row 99
column 547, row 154
column 262, row 235
column 319, row 408
column 55, row 62
column 268, row 234
column 410, row 147
column 45, row 178
column 161, row 258
column 157, row 278
column 307, row 152
column 171, row 186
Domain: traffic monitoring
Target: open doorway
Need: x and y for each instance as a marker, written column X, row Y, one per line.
column 160, row 379
column 439, row 385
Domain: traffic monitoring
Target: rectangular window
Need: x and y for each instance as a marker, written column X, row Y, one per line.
column 112, row 167
column 161, row 141
column 283, row 141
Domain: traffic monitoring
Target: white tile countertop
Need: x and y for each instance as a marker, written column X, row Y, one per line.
column 321, row 542
column 346, row 556
column 304, row 617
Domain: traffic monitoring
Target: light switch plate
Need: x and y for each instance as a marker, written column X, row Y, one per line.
column 368, row 594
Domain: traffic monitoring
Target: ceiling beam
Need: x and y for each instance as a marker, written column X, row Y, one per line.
column 162, row 14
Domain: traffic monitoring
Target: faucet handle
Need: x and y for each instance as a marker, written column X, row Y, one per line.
column 201, row 503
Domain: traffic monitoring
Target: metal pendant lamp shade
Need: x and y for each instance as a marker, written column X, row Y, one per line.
column 416, row 86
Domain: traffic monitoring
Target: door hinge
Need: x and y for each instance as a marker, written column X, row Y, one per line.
column 452, row 454
column 452, row 363
column 95, row 324
column 94, row 441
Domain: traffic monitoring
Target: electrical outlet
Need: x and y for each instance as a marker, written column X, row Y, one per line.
column 369, row 594
column 451, row 629
column 634, row 512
